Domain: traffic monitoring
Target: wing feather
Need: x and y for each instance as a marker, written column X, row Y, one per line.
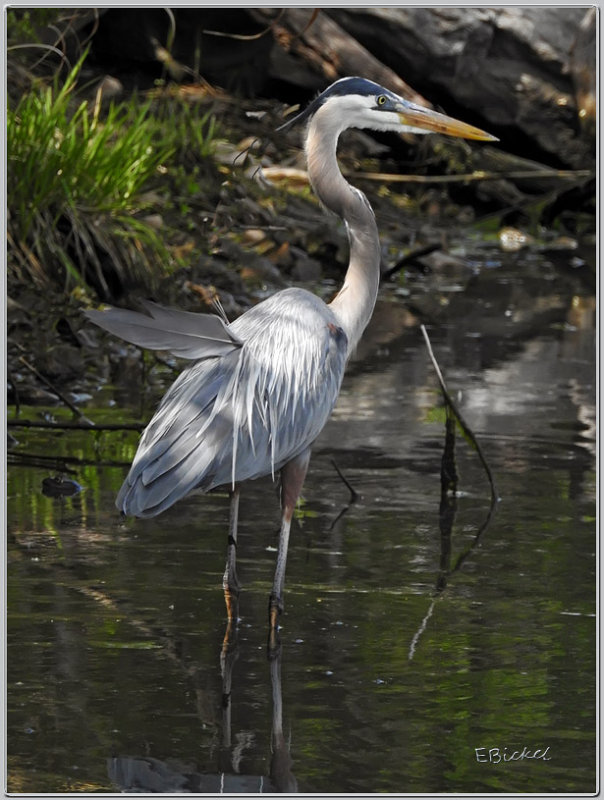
column 246, row 413
column 182, row 333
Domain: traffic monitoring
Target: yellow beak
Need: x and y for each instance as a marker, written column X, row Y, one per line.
column 424, row 119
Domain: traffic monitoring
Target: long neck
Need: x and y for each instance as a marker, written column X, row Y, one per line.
column 354, row 303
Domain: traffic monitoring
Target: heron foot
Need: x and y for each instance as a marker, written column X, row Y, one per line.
column 275, row 609
column 231, row 599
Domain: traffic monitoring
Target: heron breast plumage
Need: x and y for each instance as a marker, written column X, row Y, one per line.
column 242, row 415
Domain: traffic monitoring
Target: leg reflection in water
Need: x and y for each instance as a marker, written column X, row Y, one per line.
column 281, row 778
column 149, row 774
column 281, row 773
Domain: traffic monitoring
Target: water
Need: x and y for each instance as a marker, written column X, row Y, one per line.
column 118, row 675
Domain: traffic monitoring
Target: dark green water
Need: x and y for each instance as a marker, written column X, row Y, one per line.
column 115, row 629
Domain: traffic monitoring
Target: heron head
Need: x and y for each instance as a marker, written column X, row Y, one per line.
column 360, row 103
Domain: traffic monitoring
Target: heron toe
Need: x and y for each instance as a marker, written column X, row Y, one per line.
column 275, row 609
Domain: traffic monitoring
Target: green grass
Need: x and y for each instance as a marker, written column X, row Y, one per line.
column 79, row 177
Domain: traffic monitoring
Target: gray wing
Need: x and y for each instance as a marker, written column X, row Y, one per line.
column 244, row 414
column 182, row 333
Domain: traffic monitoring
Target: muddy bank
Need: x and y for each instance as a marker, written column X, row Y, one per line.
column 240, row 222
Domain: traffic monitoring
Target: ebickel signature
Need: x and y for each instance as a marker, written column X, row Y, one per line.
column 499, row 755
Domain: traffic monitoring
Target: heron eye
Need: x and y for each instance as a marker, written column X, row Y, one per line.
column 381, row 99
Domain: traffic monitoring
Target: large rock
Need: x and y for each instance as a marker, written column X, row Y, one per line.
column 507, row 68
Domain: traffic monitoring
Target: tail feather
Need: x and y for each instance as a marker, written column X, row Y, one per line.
column 139, row 500
column 189, row 463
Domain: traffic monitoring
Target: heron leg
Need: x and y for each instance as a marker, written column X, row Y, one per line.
column 292, row 479
column 230, row 582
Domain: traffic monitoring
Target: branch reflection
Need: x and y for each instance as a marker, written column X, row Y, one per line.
column 446, row 518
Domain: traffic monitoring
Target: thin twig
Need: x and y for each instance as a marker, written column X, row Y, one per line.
column 462, row 556
column 446, row 569
column 49, row 48
column 58, row 463
column 418, row 253
column 421, row 629
column 75, row 426
column 353, row 493
column 246, row 37
column 463, row 424
column 479, row 175
column 55, row 391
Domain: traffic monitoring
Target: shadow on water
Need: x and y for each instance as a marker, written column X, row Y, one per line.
column 420, row 627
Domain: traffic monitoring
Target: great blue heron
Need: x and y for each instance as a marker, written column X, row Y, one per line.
column 261, row 388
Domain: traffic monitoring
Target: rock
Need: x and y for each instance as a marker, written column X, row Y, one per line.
column 329, row 50
column 506, row 69
column 583, row 71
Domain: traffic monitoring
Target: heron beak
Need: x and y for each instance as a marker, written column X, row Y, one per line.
column 424, row 119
